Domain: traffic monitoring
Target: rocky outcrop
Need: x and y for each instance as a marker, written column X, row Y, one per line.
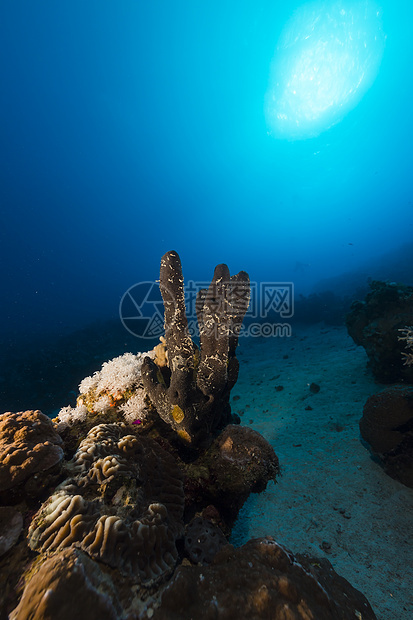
column 375, row 324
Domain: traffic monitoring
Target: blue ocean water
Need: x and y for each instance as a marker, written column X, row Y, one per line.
column 132, row 128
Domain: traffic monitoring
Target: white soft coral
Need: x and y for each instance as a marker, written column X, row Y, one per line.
column 135, row 409
column 68, row 415
column 407, row 336
column 116, row 376
column 114, row 382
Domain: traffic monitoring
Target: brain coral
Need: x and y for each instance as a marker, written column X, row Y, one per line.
column 122, row 504
column 28, row 445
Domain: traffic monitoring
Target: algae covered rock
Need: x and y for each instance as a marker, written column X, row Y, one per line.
column 203, row 539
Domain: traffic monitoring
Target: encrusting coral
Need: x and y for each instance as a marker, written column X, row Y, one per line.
column 191, row 394
column 238, row 462
column 122, row 504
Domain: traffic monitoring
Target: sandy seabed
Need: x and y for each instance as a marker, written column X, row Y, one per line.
column 332, row 499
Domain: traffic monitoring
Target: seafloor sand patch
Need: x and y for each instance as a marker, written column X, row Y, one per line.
column 332, row 499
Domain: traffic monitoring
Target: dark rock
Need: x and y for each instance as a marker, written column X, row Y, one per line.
column 387, row 425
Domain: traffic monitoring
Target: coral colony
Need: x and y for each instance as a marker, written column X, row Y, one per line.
column 121, row 507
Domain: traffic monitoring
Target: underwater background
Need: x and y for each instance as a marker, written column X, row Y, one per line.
column 273, row 137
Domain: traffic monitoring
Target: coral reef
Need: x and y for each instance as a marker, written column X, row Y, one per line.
column 30, row 451
column 191, row 394
column 376, row 323
column 122, row 504
column 261, row 580
column 387, row 426
column 137, row 525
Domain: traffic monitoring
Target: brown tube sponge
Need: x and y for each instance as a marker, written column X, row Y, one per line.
column 192, row 394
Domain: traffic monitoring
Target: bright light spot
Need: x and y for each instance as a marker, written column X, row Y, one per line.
column 326, row 59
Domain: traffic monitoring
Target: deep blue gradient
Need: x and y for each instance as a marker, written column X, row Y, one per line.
column 130, row 128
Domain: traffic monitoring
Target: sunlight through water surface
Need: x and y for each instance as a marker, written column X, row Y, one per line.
column 327, row 57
